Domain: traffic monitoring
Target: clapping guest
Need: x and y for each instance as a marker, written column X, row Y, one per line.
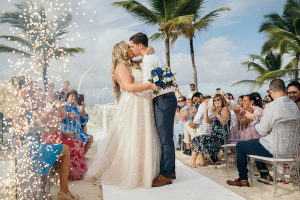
column 281, row 109
column 73, row 135
column 240, row 100
column 246, row 129
column 211, row 143
column 197, row 99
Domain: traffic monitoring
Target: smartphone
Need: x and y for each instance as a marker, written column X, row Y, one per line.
column 218, row 90
column 80, row 99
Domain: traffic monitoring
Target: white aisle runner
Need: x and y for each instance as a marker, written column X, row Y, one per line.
column 189, row 185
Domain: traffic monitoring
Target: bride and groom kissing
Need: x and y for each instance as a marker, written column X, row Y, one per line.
column 138, row 150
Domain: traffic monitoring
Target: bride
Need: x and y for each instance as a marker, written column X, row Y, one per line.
column 130, row 154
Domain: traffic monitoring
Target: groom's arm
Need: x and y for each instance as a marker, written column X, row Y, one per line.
column 150, row 62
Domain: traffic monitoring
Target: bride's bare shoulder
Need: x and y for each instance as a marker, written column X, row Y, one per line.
column 121, row 70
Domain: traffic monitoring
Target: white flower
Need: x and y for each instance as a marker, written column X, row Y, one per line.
column 169, row 79
column 155, row 78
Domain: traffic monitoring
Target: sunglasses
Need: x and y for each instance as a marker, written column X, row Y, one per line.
column 181, row 101
column 292, row 92
column 216, row 100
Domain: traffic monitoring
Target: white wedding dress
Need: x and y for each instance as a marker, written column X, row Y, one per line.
column 129, row 156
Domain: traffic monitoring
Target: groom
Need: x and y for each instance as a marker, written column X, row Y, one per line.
column 165, row 104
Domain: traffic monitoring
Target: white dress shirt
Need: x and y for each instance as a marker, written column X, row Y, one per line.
column 280, row 109
column 149, row 63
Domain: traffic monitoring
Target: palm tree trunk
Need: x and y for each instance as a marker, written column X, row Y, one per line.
column 45, row 76
column 167, row 45
column 297, row 67
column 193, row 63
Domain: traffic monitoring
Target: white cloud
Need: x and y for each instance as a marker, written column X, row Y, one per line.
column 216, row 66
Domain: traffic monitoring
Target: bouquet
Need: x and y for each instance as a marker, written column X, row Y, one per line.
column 162, row 77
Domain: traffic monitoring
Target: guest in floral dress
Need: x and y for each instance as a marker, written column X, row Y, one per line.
column 74, row 137
column 211, row 144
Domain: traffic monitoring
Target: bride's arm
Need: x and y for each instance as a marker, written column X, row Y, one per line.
column 123, row 76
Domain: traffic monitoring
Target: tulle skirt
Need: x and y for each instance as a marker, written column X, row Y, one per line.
column 129, row 154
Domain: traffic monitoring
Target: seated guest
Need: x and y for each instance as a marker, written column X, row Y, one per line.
column 191, row 127
column 282, row 108
column 229, row 96
column 77, row 118
column 52, row 151
column 240, row 100
column 293, row 91
column 197, row 99
column 246, row 129
column 211, row 143
column 73, row 136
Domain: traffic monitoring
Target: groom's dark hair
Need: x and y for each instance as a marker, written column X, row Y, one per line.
column 139, row 38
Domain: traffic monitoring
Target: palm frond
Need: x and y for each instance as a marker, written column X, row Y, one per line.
column 18, row 40
column 63, row 51
column 251, row 83
column 138, row 10
column 208, row 19
column 252, row 66
column 188, row 7
column 277, row 74
column 173, row 24
column 7, row 49
column 156, row 36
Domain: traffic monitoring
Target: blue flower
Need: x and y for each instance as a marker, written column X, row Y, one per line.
column 159, row 83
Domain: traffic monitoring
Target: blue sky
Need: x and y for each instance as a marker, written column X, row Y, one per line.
column 219, row 51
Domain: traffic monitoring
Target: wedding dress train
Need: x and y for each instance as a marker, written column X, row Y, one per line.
column 129, row 155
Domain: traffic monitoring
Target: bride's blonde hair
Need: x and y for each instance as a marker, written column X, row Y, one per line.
column 120, row 56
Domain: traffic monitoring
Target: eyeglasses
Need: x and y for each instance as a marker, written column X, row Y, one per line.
column 216, row 100
column 292, row 92
column 181, row 101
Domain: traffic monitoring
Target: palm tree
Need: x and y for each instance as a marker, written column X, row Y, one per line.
column 167, row 14
column 268, row 67
column 284, row 32
column 188, row 30
column 39, row 37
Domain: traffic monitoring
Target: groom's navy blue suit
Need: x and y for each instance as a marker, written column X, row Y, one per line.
column 164, row 111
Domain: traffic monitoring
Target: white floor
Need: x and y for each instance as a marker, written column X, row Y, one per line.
column 189, row 185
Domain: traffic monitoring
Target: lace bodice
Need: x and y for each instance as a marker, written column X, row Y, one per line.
column 137, row 75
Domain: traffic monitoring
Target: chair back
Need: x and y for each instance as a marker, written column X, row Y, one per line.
column 286, row 138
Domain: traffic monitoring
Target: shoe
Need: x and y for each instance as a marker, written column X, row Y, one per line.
column 187, row 152
column 238, row 182
column 161, row 180
column 267, row 179
column 68, row 196
column 173, row 175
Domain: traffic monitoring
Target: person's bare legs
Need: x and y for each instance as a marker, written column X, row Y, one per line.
column 192, row 162
column 88, row 145
column 201, row 159
column 64, row 169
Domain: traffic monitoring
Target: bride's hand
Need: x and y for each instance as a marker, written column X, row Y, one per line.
column 155, row 87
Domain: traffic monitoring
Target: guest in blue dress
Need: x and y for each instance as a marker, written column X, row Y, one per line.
column 76, row 119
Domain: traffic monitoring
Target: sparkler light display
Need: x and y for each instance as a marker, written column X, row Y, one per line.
column 37, row 40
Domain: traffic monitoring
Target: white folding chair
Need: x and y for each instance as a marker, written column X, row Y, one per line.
column 286, row 140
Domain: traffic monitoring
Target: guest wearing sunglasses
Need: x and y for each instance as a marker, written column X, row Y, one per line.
column 293, row 91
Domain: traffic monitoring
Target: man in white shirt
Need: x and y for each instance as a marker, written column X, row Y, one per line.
column 192, row 90
column 281, row 109
column 165, row 104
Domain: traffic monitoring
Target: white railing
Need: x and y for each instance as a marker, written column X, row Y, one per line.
column 101, row 115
